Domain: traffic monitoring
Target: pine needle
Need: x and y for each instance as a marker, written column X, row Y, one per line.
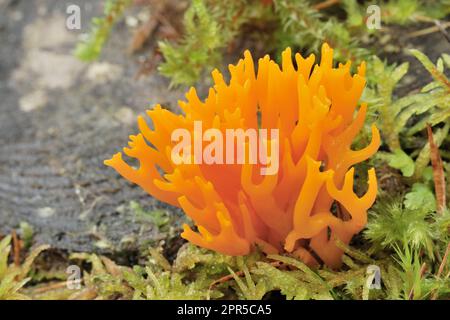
column 438, row 173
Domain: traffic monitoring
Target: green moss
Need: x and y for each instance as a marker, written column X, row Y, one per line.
column 14, row 277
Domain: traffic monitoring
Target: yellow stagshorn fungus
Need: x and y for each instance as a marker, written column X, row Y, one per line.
column 234, row 206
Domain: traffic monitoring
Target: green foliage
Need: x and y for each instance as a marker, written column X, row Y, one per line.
column 384, row 79
column 198, row 48
column 419, row 238
column 438, row 91
column 401, row 11
column 402, row 276
column 210, row 26
column 194, row 259
column 105, row 277
column 26, row 232
column 303, row 26
column 401, row 119
column 411, row 275
column 201, row 274
column 392, row 223
column 158, row 217
column 417, row 269
column 287, row 282
column 91, row 48
column 308, row 284
column 421, row 197
column 250, row 290
column 157, row 279
column 12, row 277
column 398, row 159
column 404, row 12
column 297, row 24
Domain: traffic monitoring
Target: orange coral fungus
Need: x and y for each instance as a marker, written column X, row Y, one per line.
column 234, row 206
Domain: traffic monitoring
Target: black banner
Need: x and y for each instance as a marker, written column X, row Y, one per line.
column 130, row 310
